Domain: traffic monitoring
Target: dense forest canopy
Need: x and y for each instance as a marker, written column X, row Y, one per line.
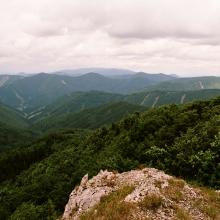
column 181, row 140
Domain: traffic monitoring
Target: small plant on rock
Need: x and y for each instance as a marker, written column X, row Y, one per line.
column 151, row 202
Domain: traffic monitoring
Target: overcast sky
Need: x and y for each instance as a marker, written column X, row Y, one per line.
column 169, row 36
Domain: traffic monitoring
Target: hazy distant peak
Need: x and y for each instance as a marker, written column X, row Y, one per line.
column 141, row 74
column 41, row 74
column 93, row 75
column 102, row 71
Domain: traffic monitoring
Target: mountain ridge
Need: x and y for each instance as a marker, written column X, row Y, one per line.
column 182, row 140
column 32, row 92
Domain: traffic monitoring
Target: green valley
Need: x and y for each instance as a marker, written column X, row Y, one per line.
column 181, row 140
column 47, row 148
column 89, row 118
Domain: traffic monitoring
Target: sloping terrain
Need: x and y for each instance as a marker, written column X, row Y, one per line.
column 11, row 136
column 35, row 91
column 158, row 98
column 74, row 102
column 8, row 79
column 12, row 117
column 93, row 109
column 102, row 71
column 79, row 101
column 116, row 73
column 88, row 118
column 13, row 128
column 193, row 83
column 181, row 140
column 31, row 94
column 140, row 194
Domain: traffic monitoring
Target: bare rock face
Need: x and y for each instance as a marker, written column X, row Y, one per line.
column 88, row 194
column 155, row 195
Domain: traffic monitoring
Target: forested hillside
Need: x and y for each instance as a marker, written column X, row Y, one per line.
column 36, row 91
column 192, row 83
column 8, row 79
column 78, row 101
column 11, row 136
column 74, row 102
column 14, row 128
column 89, row 118
column 12, row 117
column 85, row 110
column 158, row 98
column 181, row 140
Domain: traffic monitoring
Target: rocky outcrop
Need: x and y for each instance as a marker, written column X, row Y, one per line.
column 154, row 195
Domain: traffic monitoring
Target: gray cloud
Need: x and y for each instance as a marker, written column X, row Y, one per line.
column 154, row 36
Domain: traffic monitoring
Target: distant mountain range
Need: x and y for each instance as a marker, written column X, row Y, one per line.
column 8, row 79
column 103, row 71
column 44, row 102
column 194, row 83
column 80, row 101
column 94, row 108
column 29, row 93
column 55, row 128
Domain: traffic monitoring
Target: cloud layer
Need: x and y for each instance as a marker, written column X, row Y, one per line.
column 150, row 35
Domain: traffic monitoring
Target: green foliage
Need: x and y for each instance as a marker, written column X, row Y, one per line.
column 193, row 83
column 170, row 97
column 28, row 211
column 30, row 93
column 182, row 140
column 12, row 117
column 13, row 128
column 79, row 101
column 152, row 202
column 74, row 102
column 12, row 136
column 88, row 118
column 13, row 161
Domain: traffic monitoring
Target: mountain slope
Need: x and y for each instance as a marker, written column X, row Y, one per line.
column 89, row 118
column 158, row 98
column 78, row 101
column 12, row 117
column 75, row 102
column 102, row 71
column 11, row 136
column 8, row 79
column 181, row 140
column 194, row 83
column 13, row 128
column 35, row 91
